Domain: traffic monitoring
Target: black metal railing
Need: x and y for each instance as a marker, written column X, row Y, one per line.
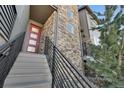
column 8, row 54
column 8, row 15
column 64, row 73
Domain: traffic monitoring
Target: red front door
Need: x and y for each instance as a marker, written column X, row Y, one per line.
column 34, row 38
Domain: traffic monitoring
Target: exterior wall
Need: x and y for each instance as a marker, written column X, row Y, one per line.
column 21, row 20
column 48, row 30
column 87, row 24
column 26, row 39
column 94, row 35
column 84, row 25
column 69, row 43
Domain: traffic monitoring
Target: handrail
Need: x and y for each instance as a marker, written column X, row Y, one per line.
column 64, row 73
column 8, row 54
column 8, row 14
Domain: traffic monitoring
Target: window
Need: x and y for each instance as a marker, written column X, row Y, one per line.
column 32, row 42
column 31, row 49
column 70, row 28
column 35, row 30
column 69, row 13
column 34, row 36
column 8, row 16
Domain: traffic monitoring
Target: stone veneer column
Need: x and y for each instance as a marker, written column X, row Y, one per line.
column 69, row 43
column 47, row 30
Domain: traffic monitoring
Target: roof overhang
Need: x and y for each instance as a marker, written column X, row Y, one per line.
column 90, row 12
column 41, row 13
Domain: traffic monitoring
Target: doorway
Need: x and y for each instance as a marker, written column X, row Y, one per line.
column 34, row 38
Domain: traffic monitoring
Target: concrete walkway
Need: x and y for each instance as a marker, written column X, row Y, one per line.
column 29, row 71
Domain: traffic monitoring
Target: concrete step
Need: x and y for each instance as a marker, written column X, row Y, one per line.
column 26, row 81
column 29, row 70
column 38, row 85
column 29, row 75
column 29, row 67
column 33, row 55
column 30, row 64
column 30, row 59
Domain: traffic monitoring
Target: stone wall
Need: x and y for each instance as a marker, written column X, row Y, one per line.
column 47, row 30
column 69, row 43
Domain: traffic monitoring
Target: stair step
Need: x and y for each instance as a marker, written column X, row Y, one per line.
column 29, row 70
column 40, row 85
column 43, row 76
column 32, row 64
column 27, row 59
column 32, row 55
column 26, row 81
column 43, row 85
column 27, row 75
column 29, row 67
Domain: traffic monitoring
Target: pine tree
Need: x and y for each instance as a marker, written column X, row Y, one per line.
column 111, row 49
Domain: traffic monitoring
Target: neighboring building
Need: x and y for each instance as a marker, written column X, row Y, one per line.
column 88, row 21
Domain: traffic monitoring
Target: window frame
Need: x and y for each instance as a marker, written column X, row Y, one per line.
column 68, row 15
column 69, row 24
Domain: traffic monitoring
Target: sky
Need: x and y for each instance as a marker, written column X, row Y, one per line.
column 97, row 8
column 101, row 8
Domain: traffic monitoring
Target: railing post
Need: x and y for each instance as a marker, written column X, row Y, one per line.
column 1, row 83
column 53, row 66
column 64, row 73
column 46, row 46
column 9, row 53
